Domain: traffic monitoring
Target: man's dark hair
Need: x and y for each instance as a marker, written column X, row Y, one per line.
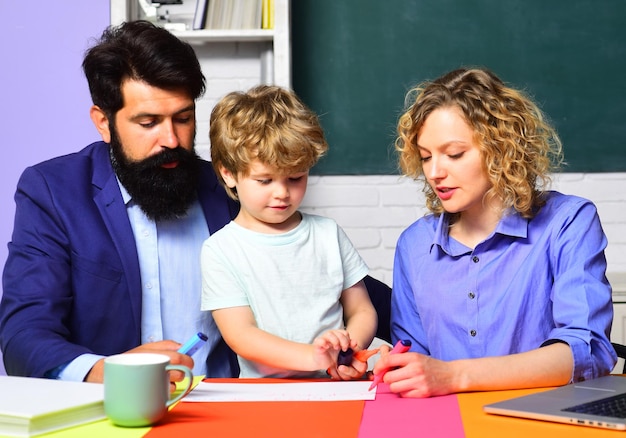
column 139, row 50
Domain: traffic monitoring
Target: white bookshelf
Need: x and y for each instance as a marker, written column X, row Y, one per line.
column 275, row 60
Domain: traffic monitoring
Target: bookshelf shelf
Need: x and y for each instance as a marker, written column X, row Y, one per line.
column 226, row 35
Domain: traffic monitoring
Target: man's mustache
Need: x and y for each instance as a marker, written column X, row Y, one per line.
column 167, row 156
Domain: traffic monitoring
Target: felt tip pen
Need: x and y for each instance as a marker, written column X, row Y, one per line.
column 400, row 347
column 345, row 357
column 193, row 344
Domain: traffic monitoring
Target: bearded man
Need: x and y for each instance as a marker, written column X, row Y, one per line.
column 104, row 256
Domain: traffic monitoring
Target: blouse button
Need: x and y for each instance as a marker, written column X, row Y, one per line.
column 471, row 295
column 473, row 333
column 475, row 259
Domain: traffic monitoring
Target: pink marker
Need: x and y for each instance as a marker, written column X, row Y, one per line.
column 400, row 347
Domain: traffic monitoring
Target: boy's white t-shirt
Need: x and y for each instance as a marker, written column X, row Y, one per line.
column 291, row 281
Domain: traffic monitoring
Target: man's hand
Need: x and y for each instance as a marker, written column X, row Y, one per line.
column 168, row 348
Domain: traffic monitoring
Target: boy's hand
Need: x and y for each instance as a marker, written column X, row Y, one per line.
column 328, row 345
column 355, row 370
column 352, row 366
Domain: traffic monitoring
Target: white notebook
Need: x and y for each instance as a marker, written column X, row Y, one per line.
column 30, row 406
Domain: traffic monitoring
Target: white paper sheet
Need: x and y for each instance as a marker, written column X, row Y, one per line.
column 301, row 391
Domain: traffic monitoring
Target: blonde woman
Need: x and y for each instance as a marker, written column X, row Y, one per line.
column 503, row 284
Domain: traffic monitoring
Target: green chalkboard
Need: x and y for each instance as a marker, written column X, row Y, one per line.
column 354, row 60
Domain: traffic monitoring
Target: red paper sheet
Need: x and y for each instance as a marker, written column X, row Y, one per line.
column 265, row 419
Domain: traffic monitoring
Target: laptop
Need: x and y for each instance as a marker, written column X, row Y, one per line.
column 590, row 403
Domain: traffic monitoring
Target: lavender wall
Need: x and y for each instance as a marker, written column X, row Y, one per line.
column 44, row 103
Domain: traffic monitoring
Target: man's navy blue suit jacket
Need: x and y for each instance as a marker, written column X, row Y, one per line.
column 71, row 284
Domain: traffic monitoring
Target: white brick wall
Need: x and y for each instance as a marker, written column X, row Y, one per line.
column 227, row 67
column 374, row 210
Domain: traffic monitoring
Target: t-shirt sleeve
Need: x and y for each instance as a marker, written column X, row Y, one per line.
column 354, row 267
column 220, row 285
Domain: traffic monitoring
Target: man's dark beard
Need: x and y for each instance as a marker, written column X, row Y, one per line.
column 161, row 193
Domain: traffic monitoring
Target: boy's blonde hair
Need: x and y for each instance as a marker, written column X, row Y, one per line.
column 518, row 146
column 269, row 124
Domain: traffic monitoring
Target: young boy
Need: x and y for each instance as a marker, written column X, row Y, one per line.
column 285, row 288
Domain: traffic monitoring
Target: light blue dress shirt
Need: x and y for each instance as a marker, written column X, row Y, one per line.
column 531, row 282
column 171, row 284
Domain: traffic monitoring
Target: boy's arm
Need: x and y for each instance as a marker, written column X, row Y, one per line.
column 239, row 330
column 361, row 321
column 359, row 314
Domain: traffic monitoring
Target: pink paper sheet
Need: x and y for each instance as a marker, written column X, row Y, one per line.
column 392, row 416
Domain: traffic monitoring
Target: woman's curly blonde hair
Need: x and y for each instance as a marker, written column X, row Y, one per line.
column 518, row 145
column 267, row 123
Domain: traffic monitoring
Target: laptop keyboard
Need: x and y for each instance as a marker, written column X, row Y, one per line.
column 614, row 406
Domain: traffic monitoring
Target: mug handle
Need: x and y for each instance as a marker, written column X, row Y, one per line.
column 188, row 376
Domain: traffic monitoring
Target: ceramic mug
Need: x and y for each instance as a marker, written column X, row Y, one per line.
column 137, row 388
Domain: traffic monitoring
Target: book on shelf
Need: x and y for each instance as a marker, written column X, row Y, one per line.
column 199, row 16
column 32, row 406
column 267, row 14
column 229, row 14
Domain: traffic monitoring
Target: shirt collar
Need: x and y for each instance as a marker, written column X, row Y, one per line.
column 125, row 195
column 511, row 224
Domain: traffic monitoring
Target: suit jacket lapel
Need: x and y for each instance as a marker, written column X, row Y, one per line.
column 111, row 205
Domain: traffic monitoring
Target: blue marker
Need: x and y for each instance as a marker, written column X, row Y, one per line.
column 193, row 344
